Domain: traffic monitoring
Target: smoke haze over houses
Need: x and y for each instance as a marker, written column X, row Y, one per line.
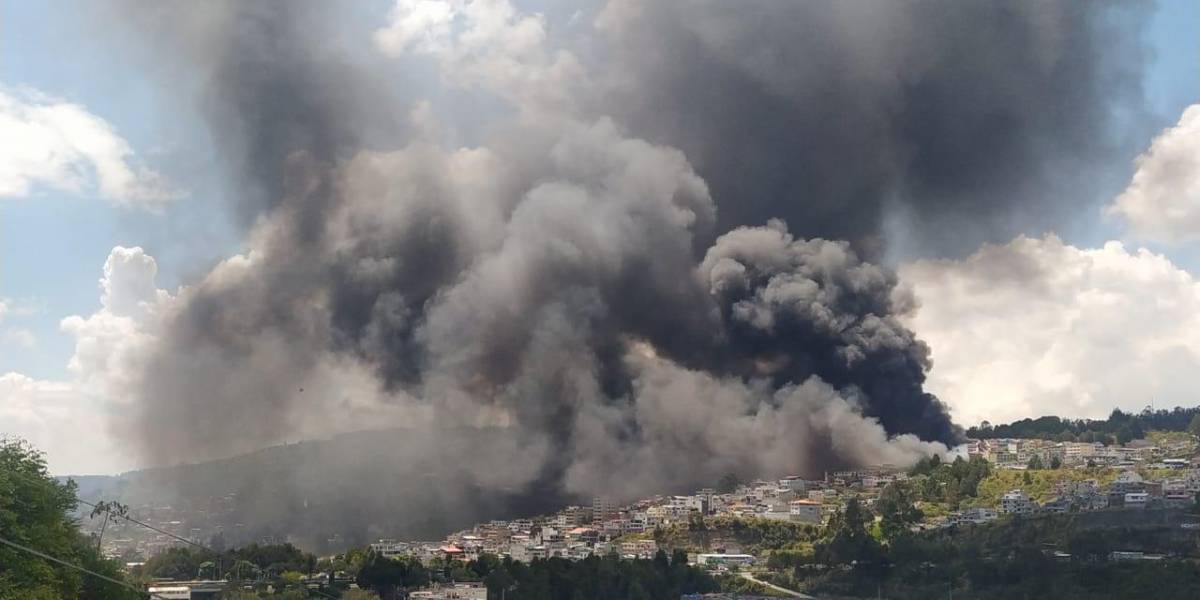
column 625, row 246
column 640, row 262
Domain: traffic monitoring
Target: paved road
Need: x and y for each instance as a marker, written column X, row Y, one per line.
column 782, row 590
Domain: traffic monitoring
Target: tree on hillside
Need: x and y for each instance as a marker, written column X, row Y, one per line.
column 897, row 511
column 35, row 511
column 1194, row 426
column 176, row 563
column 847, row 540
column 391, row 576
column 1130, row 431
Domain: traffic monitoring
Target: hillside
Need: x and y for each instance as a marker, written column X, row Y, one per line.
column 1120, row 426
column 350, row 486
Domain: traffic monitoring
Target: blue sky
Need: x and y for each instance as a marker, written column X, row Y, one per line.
column 53, row 243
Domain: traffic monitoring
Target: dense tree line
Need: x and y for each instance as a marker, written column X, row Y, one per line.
column 1008, row 559
column 1119, row 427
column 949, row 483
column 251, row 562
column 593, row 578
column 35, row 512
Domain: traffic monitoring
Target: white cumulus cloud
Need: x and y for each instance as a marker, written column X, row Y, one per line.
column 19, row 336
column 74, row 421
column 1037, row 327
column 486, row 44
column 111, row 344
column 70, row 426
column 1162, row 202
column 56, row 144
column 422, row 25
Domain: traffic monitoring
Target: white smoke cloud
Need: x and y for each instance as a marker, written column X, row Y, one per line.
column 1037, row 327
column 1162, row 202
column 58, row 144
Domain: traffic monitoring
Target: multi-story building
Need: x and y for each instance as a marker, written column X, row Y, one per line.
column 972, row 516
column 1017, row 502
column 604, row 509
column 1127, row 481
column 390, row 548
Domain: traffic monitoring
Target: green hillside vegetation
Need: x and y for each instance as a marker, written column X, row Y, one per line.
column 1166, row 437
column 750, row 535
column 1038, row 484
column 1120, row 427
column 34, row 512
column 1011, row 558
column 593, row 578
column 949, row 484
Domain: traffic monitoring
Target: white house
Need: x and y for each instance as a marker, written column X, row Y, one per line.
column 1136, row 499
column 975, row 516
column 805, row 511
column 724, row 560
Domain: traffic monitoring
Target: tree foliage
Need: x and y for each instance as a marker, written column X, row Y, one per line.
column 950, row 483
column 35, row 512
column 897, row 511
column 602, row 578
column 250, row 562
column 1015, row 559
column 1120, row 426
column 847, row 540
column 391, row 576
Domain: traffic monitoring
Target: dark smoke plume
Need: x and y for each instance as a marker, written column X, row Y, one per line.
column 616, row 320
column 984, row 116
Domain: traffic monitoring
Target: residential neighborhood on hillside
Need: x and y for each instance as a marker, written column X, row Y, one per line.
column 1046, row 477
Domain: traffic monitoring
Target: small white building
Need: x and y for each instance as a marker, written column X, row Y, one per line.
column 1127, row 481
column 1136, row 499
column 724, row 560
column 454, row 591
column 187, row 590
column 805, row 511
column 973, row 516
column 390, row 548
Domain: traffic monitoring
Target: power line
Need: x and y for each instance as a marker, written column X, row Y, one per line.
column 64, row 563
column 110, row 512
column 177, row 537
column 150, row 527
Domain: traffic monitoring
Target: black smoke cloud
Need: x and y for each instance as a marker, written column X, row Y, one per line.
column 974, row 119
column 625, row 320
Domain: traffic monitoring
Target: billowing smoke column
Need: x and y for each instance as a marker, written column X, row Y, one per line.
column 569, row 307
column 968, row 120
